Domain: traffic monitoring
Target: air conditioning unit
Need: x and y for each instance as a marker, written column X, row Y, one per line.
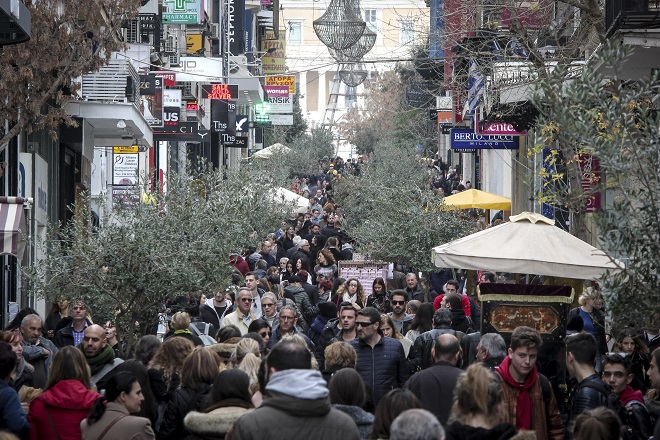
column 215, row 31
column 170, row 44
column 174, row 59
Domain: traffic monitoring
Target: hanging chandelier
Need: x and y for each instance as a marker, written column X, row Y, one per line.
column 340, row 26
column 357, row 50
column 353, row 74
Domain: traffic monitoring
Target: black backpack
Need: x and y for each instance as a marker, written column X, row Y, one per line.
column 614, row 403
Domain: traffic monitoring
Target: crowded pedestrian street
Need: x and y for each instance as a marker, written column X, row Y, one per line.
column 307, row 338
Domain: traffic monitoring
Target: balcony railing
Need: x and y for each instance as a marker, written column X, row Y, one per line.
column 631, row 14
column 109, row 84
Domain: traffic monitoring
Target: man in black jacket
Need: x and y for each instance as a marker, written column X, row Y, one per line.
column 439, row 379
column 340, row 329
column 420, row 353
column 591, row 391
column 380, row 360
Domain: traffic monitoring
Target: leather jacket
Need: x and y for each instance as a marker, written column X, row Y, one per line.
column 590, row 393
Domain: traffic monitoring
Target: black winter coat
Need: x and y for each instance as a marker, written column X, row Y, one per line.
column 184, row 400
column 329, row 334
column 420, row 353
column 383, row 367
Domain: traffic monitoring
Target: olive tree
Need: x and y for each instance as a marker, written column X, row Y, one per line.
column 166, row 245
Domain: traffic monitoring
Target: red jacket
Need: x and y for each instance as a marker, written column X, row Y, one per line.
column 465, row 302
column 68, row 403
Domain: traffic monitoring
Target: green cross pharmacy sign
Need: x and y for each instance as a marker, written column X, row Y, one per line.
column 181, row 11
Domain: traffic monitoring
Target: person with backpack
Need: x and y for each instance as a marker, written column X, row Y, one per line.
column 591, row 391
column 529, row 402
column 617, row 373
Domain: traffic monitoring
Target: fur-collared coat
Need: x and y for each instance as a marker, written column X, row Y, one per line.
column 213, row 425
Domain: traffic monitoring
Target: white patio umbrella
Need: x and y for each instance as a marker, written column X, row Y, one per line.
column 284, row 195
column 267, row 152
column 530, row 244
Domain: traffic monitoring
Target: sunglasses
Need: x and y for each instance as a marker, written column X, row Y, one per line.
column 398, row 302
column 267, row 304
column 246, row 300
column 364, row 324
column 264, row 334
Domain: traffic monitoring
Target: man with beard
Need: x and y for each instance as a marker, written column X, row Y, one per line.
column 402, row 320
column 99, row 355
column 37, row 350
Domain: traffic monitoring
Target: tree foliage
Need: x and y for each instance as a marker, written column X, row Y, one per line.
column 391, row 212
column 617, row 122
column 69, row 38
column 146, row 253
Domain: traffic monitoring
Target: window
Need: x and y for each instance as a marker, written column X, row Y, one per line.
column 294, row 35
column 407, row 32
column 371, row 20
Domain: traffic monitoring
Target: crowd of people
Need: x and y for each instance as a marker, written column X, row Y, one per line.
column 293, row 350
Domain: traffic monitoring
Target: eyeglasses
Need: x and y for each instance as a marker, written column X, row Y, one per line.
column 352, row 285
column 246, row 300
column 267, row 304
column 617, row 374
column 287, row 318
column 364, row 324
column 398, row 302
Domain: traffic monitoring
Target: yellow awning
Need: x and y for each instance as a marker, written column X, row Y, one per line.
column 474, row 198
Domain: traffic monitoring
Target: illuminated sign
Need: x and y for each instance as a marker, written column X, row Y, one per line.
column 220, row 91
column 192, row 106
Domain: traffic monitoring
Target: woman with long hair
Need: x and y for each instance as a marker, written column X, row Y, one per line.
column 632, row 343
column 66, row 400
column 352, row 291
column 477, row 410
column 111, row 415
column 247, row 358
column 348, row 394
column 167, row 363
column 286, row 241
column 326, row 266
column 289, row 270
column 149, row 408
column 197, row 375
column 597, row 424
column 390, row 406
column 422, row 322
column 23, row 374
column 58, row 311
column 389, row 329
column 229, row 400
column 12, row 417
column 380, row 297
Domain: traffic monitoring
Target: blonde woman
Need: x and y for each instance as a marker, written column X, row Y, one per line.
column 477, row 410
column 247, row 358
column 389, row 329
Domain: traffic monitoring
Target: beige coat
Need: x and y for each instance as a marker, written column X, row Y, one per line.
column 235, row 318
column 128, row 428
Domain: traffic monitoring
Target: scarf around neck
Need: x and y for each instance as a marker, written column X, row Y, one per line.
column 524, row 403
column 96, row 363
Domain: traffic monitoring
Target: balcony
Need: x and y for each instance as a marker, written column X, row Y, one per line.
column 109, row 100
column 631, row 15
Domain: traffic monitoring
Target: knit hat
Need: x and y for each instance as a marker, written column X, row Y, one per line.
column 328, row 309
column 294, row 279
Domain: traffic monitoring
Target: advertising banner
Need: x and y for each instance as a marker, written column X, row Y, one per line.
column 235, row 13
column 182, row 11
column 466, row 139
column 274, row 62
column 125, row 169
column 282, row 80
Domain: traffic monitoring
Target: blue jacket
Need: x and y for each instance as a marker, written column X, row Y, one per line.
column 383, row 367
column 12, row 417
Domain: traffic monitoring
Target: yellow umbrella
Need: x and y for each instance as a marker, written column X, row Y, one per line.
column 474, row 198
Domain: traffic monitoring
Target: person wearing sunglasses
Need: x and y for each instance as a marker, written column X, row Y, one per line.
column 381, row 360
column 242, row 317
column 399, row 301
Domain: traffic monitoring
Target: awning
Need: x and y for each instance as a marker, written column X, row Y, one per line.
column 12, row 221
